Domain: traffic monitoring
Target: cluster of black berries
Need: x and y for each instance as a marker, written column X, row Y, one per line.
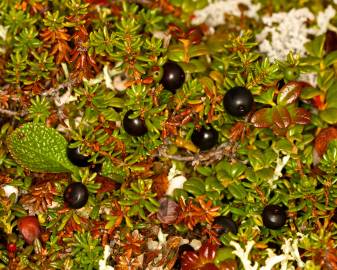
column 238, row 102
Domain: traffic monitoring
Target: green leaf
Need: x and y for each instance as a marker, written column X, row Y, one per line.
column 331, row 96
column 310, row 92
column 237, row 191
column 195, row 186
column 315, row 47
column 39, row 149
column 284, row 145
column 256, row 159
column 330, row 59
column 237, row 169
column 262, row 118
column 266, row 97
column 329, row 115
column 198, row 50
column 212, row 184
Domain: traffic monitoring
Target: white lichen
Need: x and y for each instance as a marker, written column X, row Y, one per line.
column 67, row 127
column 107, row 78
column 66, row 98
column 244, row 254
column 310, row 78
column 214, row 14
column 9, row 190
column 286, row 32
column 323, row 19
column 176, row 179
column 290, row 253
column 103, row 262
column 3, row 34
column 280, row 164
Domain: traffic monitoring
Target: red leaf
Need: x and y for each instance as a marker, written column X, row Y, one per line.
column 281, row 117
column 207, row 251
column 281, row 120
column 201, row 260
column 29, row 227
column 323, row 138
column 290, row 92
column 302, row 117
column 107, row 184
column 189, row 260
column 261, row 118
column 319, row 102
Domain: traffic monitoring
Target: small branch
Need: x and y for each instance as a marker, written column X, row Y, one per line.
column 11, row 113
column 54, row 90
column 215, row 154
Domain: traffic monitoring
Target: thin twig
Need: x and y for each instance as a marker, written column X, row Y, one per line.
column 8, row 112
column 52, row 91
column 215, row 154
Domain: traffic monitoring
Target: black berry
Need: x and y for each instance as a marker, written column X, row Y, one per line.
column 76, row 195
column 97, row 168
column 173, row 76
column 238, row 101
column 205, row 138
column 135, row 126
column 274, row 216
column 77, row 158
column 227, row 225
column 182, row 249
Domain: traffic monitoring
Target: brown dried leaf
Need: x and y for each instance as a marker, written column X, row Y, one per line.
column 323, row 138
column 160, row 184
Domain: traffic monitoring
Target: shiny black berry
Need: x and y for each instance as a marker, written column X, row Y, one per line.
column 274, row 216
column 97, row 168
column 238, row 101
column 135, row 126
column 76, row 195
column 205, row 138
column 173, row 76
column 227, row 225
column 77, row 158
